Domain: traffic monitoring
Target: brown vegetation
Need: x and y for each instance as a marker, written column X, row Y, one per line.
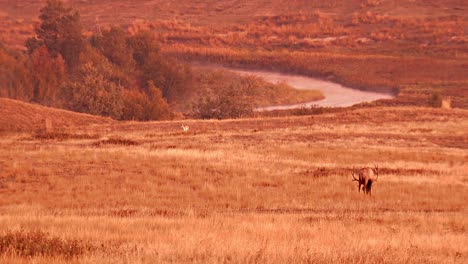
column 270, row 189
column 17, row 116
column 37, row 243
column 222, row 94
column 417, row 48
column 65, row 70
column 415, row 82
column 250, row 190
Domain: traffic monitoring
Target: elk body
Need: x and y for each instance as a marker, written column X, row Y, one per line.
column 366, row 177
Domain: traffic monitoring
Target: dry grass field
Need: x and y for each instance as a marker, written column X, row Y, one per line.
column 274, row 188
column 415, row 48
column 260, row 190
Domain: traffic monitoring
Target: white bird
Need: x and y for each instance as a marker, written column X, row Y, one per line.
column 185, row 128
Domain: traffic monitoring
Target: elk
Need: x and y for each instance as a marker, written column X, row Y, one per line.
column 185, row 128
column 366, row 178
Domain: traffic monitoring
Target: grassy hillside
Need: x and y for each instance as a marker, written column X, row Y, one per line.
column 269, row 190
column 223, row 18
column 17, row 116
column 415, row 47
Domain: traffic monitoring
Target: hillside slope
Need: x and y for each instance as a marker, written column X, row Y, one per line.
column 152, row 193
column 17, row 116
column 18, row 16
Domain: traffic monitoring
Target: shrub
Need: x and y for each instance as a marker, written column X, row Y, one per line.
column 15, row 77
column 435, row 100
column 113, row 45
column 48, row 74
column 171, row 77
column 143, row 43
column 140, row 106
column 233, row 101
column 117, row 141
column 61, row 136
column 37, row 243
column 94, row 93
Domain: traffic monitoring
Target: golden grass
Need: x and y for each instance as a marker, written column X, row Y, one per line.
column 270, row 190
column 17, row 116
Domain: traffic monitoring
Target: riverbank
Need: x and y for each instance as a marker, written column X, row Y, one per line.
column 335, row 95
column 412, row 80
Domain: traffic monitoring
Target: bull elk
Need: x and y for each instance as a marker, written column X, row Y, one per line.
column 366, row 178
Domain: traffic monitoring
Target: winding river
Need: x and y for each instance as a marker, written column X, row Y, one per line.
column 336, row 95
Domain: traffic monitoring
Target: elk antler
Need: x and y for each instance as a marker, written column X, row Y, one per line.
column 376, row 170
column 354, row 178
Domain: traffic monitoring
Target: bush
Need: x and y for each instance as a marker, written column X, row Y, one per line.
column 113, row 45
column 117, row 141
column 94, row 93
column 140, row 106
column 435, row 100
column 171, row 77
column 48, row 74
column 15, row 77
column 37, row 243
column 232, row 101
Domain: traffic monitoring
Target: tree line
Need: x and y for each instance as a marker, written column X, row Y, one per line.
column 111, row 73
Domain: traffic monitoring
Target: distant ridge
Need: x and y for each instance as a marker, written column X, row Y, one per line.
column 17, row 116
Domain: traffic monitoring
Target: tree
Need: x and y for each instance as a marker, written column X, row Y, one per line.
column 134, row 105
column 233, row 101
column 15, row 78
column 94, row 93
column 48, row 74
column 59, row 31
column 111, row 71
column 144, row 107
column 158, row 109
column 172, row 78
column 144, row 45
column 113, row 45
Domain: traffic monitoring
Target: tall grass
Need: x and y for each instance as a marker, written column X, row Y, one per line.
column 270, row 190
column 37, row 243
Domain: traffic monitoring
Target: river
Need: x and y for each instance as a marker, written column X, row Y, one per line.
column 336, row 95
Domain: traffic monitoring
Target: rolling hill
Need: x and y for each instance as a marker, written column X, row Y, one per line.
column 17, row 116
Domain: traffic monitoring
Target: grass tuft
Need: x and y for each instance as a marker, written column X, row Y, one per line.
column 62, row 136
column 117, row 141
column 38, row 243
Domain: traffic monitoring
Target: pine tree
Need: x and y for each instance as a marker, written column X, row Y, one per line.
column 60, row 31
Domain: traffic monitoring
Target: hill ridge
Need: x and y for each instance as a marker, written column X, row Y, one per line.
column 18, row 116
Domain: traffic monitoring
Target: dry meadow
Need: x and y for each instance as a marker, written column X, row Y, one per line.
column 260, row 190
column 274, row 188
